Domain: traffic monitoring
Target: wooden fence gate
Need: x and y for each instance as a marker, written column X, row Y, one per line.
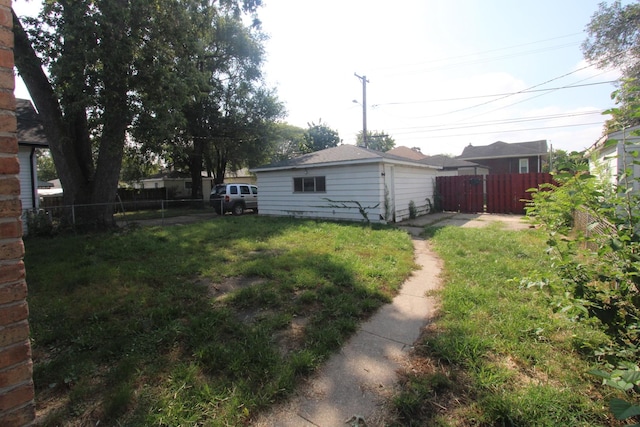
column 504, row 193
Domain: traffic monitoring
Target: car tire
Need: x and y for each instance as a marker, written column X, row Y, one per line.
column 238, row 209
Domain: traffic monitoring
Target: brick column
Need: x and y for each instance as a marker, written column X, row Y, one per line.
column 17, row 407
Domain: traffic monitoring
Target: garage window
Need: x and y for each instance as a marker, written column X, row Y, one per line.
column 309, row 184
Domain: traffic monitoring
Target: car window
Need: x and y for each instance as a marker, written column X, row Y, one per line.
column 254, row 189
column 221, row 189
column 244, row 189
column 233, row 189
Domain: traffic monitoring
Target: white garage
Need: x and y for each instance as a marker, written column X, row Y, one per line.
column 346, row 183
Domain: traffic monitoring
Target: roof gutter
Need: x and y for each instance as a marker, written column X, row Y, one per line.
column 343, row 163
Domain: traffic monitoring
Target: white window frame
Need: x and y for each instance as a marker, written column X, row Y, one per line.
column 523, row 164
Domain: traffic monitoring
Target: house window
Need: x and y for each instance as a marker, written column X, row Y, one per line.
column 309, row 184
column 524, row 166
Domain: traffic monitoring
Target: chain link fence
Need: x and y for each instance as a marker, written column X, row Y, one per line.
column 54, row 217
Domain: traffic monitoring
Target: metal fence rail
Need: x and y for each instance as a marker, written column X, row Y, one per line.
column 51, row 217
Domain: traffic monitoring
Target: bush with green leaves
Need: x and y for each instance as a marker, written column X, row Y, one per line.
column 598, row 263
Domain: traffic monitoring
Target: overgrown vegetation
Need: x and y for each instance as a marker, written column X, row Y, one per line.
column 203, row 324
column 595, row 268
column 499, row 354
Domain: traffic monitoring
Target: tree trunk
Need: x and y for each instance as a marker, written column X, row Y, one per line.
column 60, row 141
column 90, row 191
column 195, row 168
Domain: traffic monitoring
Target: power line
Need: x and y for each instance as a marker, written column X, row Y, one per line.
column 511, row 130
column 491, row 95
column 475, row 54
column 438, row 128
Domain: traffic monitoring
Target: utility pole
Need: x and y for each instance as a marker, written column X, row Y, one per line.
column 364, row 108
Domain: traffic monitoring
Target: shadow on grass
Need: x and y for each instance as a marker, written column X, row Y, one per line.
column 123, row 332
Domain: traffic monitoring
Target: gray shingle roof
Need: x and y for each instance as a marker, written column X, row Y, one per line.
column 502, row 149
column 30, row 129
column 340, row 154
column 407, row 152
column 447, row 162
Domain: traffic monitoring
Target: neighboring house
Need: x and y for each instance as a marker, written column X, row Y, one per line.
column 407, row 153
column 613, row 153
column 452, row 166
column 30, row 137
column 449, row 165
column 501, row 157
column 178, row 184
column 346, row 183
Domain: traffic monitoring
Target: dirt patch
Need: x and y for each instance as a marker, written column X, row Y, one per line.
column 219, row 290
column 291, row 339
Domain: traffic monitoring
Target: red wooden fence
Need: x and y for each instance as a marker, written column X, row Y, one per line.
column 461, row 193
column 502, row 193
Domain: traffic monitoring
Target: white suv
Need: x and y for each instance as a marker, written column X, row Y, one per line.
column 235, row 198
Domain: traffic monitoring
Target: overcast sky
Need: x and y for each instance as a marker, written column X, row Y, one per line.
column 442, row 74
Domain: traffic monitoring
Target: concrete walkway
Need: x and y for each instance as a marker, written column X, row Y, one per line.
column 356, row 381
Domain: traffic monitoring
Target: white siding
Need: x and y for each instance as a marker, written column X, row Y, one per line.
column 413, row 184
column 26, row 190
column 26, row 180
column 346, row 184
column 359, row 183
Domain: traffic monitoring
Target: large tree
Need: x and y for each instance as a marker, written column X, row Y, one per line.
column 378, row 141
column 319, row 137
column 286, row 142
column 106, row 61
column 227, row 121
column 614, row 41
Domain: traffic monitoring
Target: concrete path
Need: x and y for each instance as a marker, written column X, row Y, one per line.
column 356, row 381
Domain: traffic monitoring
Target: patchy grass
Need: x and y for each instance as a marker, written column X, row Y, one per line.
column 498, row 355
column 202, row 324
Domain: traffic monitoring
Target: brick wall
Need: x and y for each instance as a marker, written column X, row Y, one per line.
column 17, row 407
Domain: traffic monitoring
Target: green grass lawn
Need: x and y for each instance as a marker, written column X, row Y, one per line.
column 498, row 354
column 201, row 324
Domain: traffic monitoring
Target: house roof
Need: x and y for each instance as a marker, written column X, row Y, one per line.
column 446, row 162
column 342, row 154
column 30, row 129
column 406, row 152
column 502, row 149
column 629, row 136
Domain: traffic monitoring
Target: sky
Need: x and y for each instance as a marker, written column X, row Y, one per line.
column 441, row 74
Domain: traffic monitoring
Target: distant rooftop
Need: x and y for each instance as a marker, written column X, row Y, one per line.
column 503, row 149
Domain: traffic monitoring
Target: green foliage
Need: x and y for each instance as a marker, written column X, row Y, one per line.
column 564, row 162
column 142, row 68
column 46, row 168
column 287, row 142
column 137, row 165
column 352, row 204
column 614, row 42
column 597, row 265
column 413, row 211
column 497, row 355
column 625, row 378
column 614, row 37
column 319, row 137
column 204, row 323
column 598, row 262
column 378, row 141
